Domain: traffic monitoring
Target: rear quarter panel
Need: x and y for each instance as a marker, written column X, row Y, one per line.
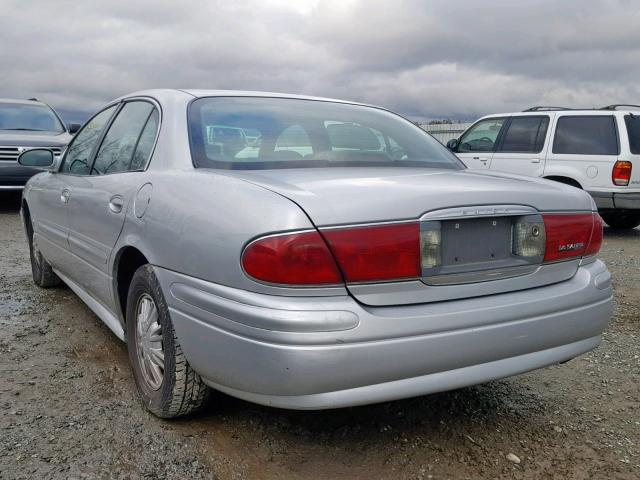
column 198, row 222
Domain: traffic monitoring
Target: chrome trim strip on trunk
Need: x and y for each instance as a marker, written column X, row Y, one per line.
column 481, row 275
column 472, row 211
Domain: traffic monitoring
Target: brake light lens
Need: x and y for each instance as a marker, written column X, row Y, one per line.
column 377, row 253
column 291, row 259
column 570, row 235
column 621, row 173
column 596, row 236
column 401, row 251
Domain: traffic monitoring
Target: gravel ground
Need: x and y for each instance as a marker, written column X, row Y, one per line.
column 68, row 407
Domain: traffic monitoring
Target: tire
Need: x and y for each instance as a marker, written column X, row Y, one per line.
column 166, row 383
column 621, row 221
column 41, row 270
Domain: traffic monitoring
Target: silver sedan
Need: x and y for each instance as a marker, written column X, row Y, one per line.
column 309, row 253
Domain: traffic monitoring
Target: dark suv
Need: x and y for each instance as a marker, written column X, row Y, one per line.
column 26, row 124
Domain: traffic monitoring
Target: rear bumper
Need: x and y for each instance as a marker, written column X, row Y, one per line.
column 616, row 201
column 314, row 353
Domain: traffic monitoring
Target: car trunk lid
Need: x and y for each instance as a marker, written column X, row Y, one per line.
column 474, row 212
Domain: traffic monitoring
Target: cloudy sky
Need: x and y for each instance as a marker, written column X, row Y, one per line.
column 423, row 58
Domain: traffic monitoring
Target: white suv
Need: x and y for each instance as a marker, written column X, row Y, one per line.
column 590, row 149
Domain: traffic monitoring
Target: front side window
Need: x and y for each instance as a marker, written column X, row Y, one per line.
column 525, row 135
column 78, row 156
column 119, row 144
column 481, row 137
column 586, row 135
column 633, row 130
column 27, row 117
column 294, row 133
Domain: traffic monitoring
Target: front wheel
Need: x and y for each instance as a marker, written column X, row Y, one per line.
column 622, row 220
column 167, row 384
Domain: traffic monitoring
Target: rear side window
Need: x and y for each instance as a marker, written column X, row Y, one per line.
column 120, row 142
column 146, row 142
column 633, row 130
column 525, row 135
column 584, row 135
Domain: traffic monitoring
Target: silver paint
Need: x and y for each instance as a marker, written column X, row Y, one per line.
column 314, row 347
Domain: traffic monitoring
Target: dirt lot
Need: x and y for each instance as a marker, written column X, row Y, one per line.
column 68, row 407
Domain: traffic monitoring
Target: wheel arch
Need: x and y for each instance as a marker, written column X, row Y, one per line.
column 565, row 180
column 26, row 219
column 127, row 261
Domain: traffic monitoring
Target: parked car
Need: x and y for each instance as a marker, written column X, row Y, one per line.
column 590, row 149
column 26, row 124
column 341, row 277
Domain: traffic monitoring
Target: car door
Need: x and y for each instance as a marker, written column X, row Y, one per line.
column 51, row 194
column 523, row 145
column 476, row 146
column 99, row 201
column 49, row 215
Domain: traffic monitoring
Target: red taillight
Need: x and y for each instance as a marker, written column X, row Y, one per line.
column 596, row 237
column 571, row 235
column 621, row 173
column 291, row 259
column 387, row 252
column 377, row 253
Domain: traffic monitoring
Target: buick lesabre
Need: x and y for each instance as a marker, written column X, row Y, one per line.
column 341, row 257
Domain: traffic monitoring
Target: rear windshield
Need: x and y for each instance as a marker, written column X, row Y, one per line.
column 20, row 116
column 633, row 129
column 248, row 133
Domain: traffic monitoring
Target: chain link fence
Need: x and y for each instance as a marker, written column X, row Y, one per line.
column 445, row 131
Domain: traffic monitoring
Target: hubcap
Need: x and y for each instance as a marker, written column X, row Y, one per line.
column 149, row 342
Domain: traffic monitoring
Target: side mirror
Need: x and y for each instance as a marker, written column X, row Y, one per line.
column 74, row 127
column 38, row 158
column 452, row 144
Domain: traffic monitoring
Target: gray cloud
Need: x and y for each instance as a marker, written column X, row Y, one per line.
column 425, row 59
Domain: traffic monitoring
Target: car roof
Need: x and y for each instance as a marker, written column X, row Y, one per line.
column 21, row 101
column 202, row 93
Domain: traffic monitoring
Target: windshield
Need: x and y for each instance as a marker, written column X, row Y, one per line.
column 249, row 133
column 20, row 116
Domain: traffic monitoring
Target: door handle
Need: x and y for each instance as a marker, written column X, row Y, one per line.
column 116, row 203
column 64, row 196
column 535, row 160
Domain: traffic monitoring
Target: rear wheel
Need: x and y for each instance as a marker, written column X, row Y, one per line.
column 167, row 384
column 41, row 270
column 621, row 221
